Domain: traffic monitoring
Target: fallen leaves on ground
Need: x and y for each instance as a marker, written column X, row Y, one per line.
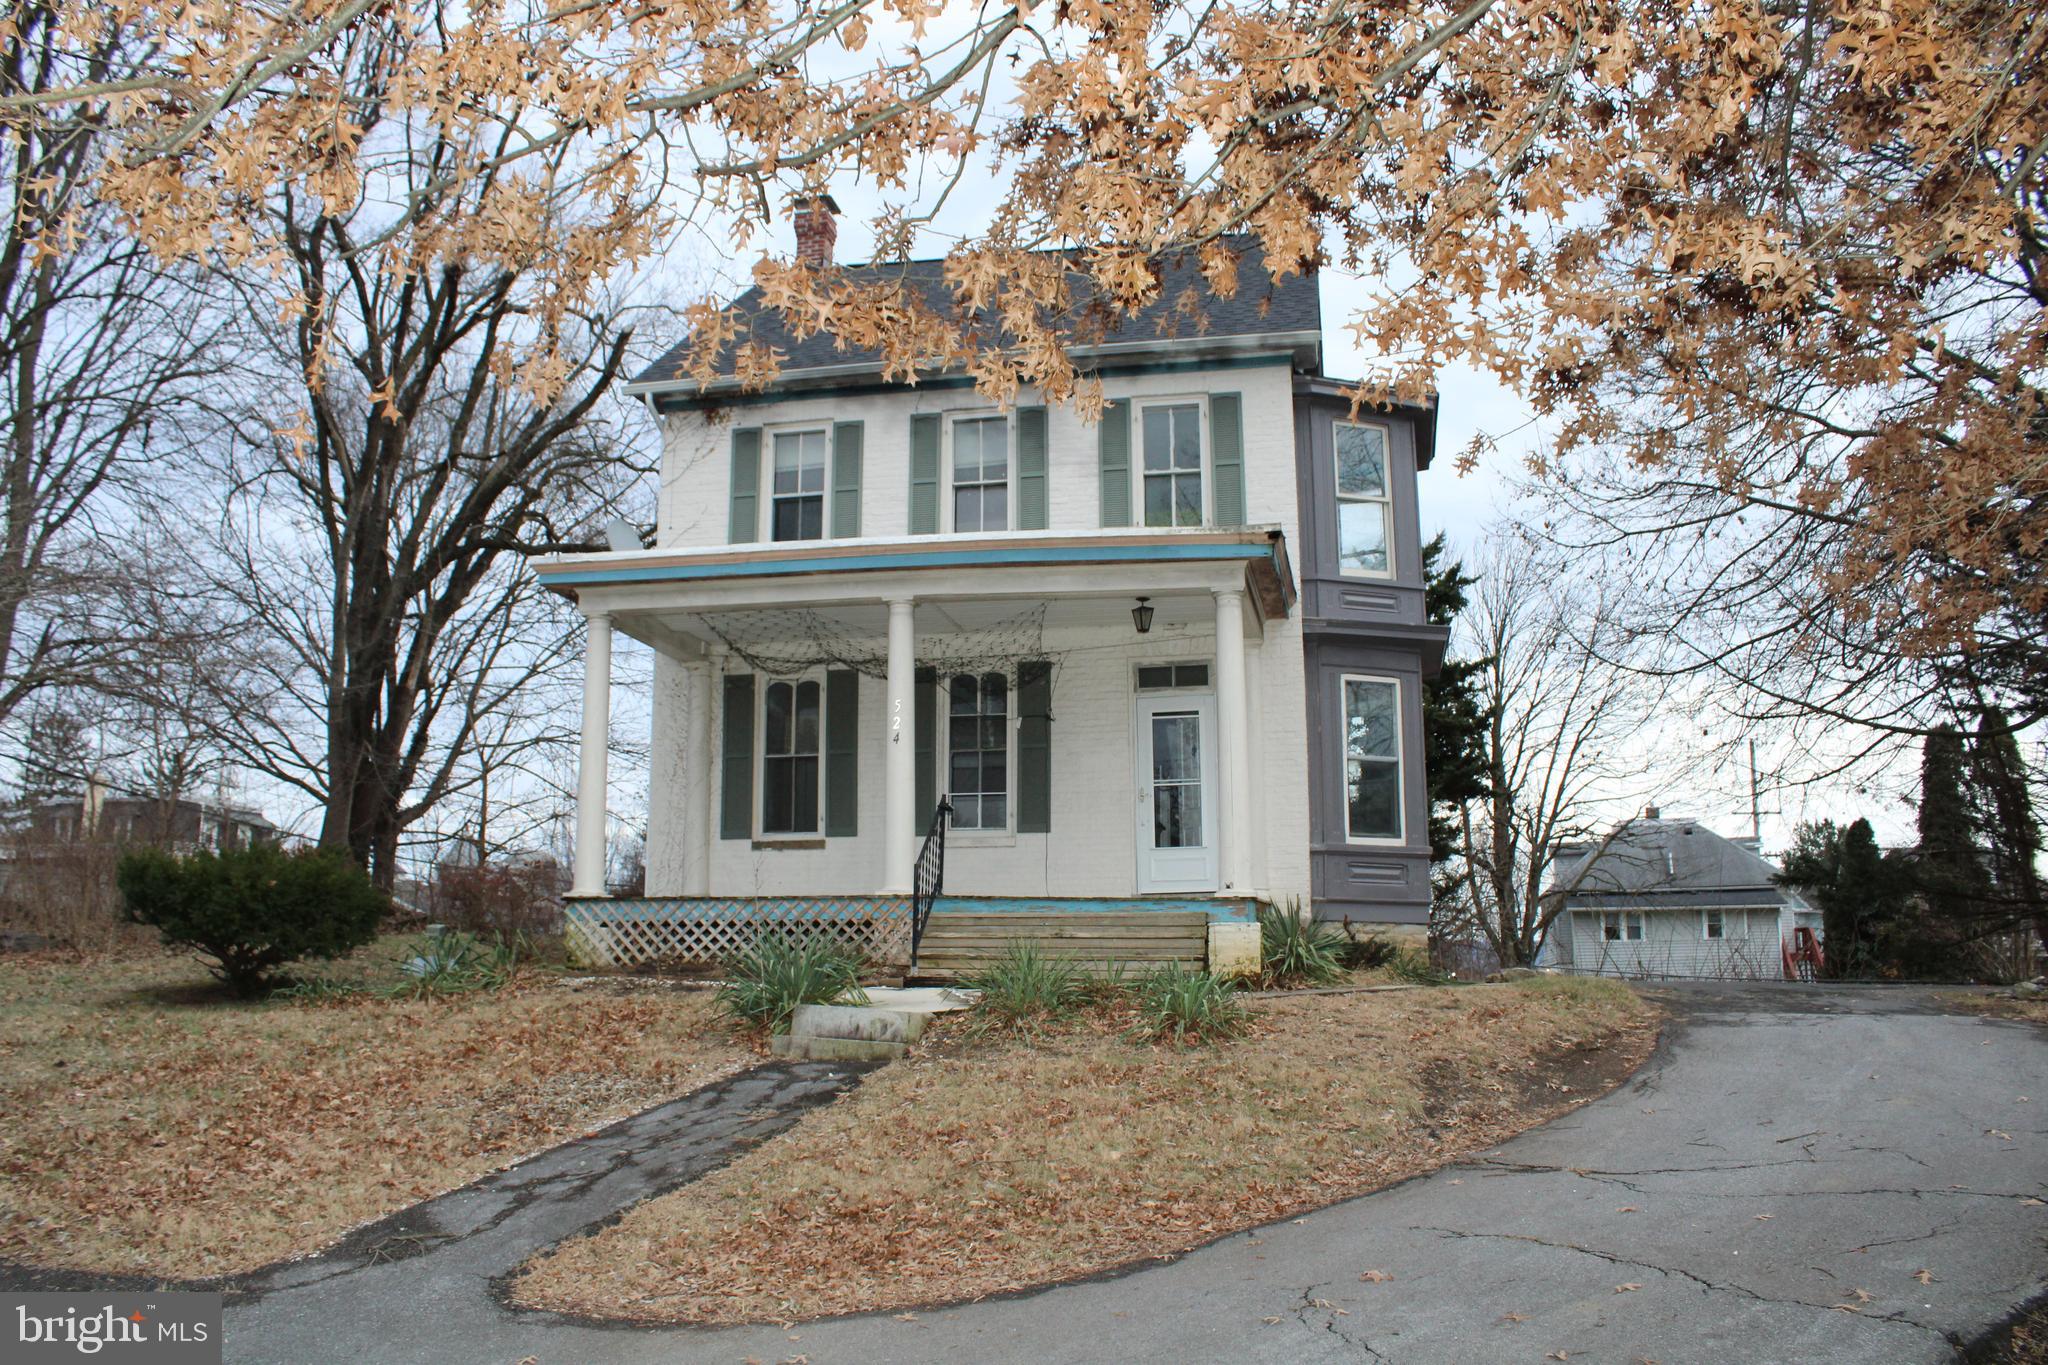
column 1375, row 1277
column 979, row 1167
column 192, row 1137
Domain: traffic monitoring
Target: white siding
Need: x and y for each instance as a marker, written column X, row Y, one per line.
column 1673, row 946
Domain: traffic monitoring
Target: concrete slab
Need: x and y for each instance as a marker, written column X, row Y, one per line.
column 923, row 999
column 812, row 1049
column 863, row 1022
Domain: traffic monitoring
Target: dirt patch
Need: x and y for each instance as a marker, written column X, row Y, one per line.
column 2032, row 1009
column 990, row 1164
column 155, row 1128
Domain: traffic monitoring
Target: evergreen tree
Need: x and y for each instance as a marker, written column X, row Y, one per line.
column 2004, row 813
column 1860, row 893
column 1453, row 721
column 1949, row 870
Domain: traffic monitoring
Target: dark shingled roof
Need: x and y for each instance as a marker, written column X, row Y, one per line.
column 1671, row 864
column 1262, row 306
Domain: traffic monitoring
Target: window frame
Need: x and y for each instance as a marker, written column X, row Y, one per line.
column 1624, row 920
column 1206, row 687
column 949, row 468
column 942, row 756
column 1206, row 471
column 1385, row 501
column 797, row 838
column 768, row 497
column 1714, row 918
column 1400, row 837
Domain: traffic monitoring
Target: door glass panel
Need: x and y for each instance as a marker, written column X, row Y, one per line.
column 1176, row 748
column 1177, row 780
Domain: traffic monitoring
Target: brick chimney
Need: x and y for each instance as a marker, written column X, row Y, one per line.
column 817, row 229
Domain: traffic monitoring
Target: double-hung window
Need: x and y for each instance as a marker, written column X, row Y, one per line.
column 1172, row 464
column 1713, row 924
column 1364, row 510
column 1616, row 925
column 1372, row 759
column 790, row 728
column 796, row 508
column 978, row 751
column 981, row 474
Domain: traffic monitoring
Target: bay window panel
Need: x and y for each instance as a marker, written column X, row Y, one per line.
column 1362, row 536
column 1372, row 758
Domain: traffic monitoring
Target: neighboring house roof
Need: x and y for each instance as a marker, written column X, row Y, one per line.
column 1263, row 312
column 1670, row 865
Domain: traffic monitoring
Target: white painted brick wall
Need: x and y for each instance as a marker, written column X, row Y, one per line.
column 1092, row 849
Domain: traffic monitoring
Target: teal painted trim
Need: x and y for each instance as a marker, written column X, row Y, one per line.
column 928, row 559
column 1219, row 910
column 952, row 381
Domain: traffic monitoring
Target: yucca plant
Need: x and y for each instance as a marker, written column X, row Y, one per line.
column 764, row 985
column 1026, row 984
column 1183, row 1006
column 1413, row 966
column 1296, row 951
column 448, row 964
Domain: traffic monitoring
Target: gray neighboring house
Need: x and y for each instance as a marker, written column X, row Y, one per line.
column 1671, row 898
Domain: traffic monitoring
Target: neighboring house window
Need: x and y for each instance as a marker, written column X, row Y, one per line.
column 1372, row 758
column 1712, row 925
column 1364, row 510
column 981, row 474
column 978, row 751
column 796, row 509
column 1172, row 464
column 1616, row 925
column 789, row 758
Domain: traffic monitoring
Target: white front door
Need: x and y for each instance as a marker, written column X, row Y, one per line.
column 1177, row 797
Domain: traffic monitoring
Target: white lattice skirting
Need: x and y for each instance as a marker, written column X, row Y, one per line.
column 710, row 929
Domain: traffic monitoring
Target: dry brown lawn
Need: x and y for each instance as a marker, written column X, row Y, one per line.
column 980, row 1166
column 146, row 1126
column 2001, row 1005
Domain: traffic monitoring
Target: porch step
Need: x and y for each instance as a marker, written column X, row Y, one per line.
column 961, row 944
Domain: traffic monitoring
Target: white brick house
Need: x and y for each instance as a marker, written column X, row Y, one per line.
column 866, row 597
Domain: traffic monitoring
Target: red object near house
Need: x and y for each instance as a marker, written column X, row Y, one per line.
column 1804, row 960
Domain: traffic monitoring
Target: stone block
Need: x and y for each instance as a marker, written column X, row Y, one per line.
column 805, row 1048
column 861, row 1022
column 1234, row 949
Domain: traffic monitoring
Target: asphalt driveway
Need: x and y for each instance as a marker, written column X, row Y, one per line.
column 1798, row 1174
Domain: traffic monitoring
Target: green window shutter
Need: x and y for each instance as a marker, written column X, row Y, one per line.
column 743, row 523
column 846, row 438
column 1031, row 499
column 1114, row 446
column 1034, row 747
column 926, row 723
column 736, row 780
column 1226, row 450
column 924, row 474
column 842, row 751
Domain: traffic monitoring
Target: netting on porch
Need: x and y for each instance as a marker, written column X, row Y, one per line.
column 787, row 641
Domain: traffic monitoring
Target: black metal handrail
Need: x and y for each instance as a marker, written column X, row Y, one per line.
column 928, row 882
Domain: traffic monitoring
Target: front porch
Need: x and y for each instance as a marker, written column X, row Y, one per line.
column 963, row 934
column 1112, row 717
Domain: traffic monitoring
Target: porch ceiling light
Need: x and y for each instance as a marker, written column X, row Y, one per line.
column 1141, row 615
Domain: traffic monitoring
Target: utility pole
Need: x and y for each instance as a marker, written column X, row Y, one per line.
column 1756, row 818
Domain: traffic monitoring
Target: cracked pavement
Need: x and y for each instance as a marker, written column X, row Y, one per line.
column 1768, row 1187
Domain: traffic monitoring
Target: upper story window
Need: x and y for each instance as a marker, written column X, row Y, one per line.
column 1372, row 759
column 796, row 509
column 978, row 751
column 1364, row 509
column 981, row 474
column 1171, row 465
column 789, row 758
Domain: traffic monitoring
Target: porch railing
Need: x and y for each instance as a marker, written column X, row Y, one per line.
column 929, row 879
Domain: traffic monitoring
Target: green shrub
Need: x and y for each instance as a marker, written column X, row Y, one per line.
column 251, row 910
column 1184, row 1006
column 1413, row 965
column 448, row 964
column 1368, row 953
column 1025, row 984
column 1295, row 951
column 764, row 985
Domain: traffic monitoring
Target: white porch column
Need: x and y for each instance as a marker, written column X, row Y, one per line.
column 587, row 878
column 1234, row 722
column 899, row 792
column 700, row 759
